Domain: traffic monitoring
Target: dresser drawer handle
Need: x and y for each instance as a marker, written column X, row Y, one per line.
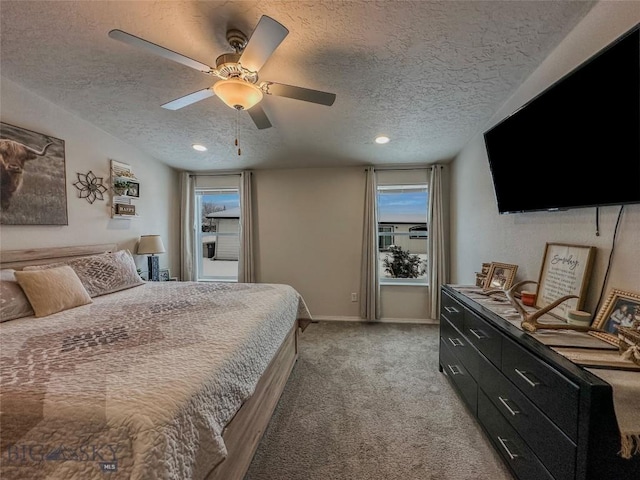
column 480, row 335
column 455, row 369
column 451, row 310
column 524, row 376
column 512, row 411
column 503, row 442
column 456, row 342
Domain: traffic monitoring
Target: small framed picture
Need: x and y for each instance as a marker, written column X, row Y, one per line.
column 565, row 271
column 164, row 275
column 133, row 190
column 621, row 309
column 500, row 275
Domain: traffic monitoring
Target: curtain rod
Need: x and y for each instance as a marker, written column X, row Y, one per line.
column 214, row 174
column 426, row 167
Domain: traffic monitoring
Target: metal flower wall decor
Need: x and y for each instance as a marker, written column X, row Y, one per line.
column 90, row 187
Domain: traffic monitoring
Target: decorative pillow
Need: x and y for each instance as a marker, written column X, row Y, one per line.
column 103, row 273
column 13, row 302
column 53, row 290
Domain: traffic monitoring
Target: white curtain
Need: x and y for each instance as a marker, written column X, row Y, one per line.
column 369, row 283
column 435, row 241
column 187, row 227
column 246, row 271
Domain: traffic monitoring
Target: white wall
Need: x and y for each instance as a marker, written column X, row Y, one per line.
column 309, row 233
column 479, row 234
column 89, row 148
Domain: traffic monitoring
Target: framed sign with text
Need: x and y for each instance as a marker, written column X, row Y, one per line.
column 565, row 271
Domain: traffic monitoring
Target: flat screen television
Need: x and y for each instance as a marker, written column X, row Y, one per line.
column 577, row 144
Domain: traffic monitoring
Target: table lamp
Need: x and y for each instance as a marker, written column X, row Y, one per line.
column 150, row 245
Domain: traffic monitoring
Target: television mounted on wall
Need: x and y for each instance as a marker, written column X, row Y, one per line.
column 576, row 144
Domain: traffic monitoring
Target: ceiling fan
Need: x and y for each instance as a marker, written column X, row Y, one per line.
column 238, row 86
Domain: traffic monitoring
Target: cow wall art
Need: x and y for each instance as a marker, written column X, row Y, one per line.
column 33, row 179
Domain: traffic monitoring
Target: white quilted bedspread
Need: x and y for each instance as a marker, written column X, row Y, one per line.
column 140, row 383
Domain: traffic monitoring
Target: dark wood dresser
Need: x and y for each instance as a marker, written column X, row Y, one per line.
column 547, row 417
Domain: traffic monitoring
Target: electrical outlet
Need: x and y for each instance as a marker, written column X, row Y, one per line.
column 354, row 297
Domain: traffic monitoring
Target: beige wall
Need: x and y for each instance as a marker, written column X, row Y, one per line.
column 479, row 234
column 89, row 148
column 309, row 234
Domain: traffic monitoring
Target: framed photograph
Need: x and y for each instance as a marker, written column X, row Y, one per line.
column 164, row 275
column 485, row 268
column 565, row 271
column 34, row 184
column 480, row 278
column 500, row 275
column 133, row 189
column 620, row 309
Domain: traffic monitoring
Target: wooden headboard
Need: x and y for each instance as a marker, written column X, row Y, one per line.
column 18, row 259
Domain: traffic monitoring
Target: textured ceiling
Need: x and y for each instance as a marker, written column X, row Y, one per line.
column 428, row 74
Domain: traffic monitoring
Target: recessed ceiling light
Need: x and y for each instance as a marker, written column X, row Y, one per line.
column 381, row 139
column 198, row 147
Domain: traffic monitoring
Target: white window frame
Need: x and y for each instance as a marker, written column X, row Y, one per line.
column 199, row 193
column 422, row 282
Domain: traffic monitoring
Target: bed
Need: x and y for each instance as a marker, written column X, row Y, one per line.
column 171, row 380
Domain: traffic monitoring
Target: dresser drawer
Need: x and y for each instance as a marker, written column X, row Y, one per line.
column 460, row 347
column 509, row 444
column 451, row 310
column 484, row 337
column 554, row 449
column 459, row 376
column 551, row 391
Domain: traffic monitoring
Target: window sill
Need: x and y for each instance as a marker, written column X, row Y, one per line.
column 404, row 283
column 218, row 280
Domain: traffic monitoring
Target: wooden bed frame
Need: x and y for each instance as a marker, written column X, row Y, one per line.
column 245, row 430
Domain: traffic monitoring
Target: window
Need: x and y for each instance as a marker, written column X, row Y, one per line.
column 218, row 230
column 418, row 231
column 402, row 234
column 385, row 238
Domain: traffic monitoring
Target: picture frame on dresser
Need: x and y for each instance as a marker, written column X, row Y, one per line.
column 500, row 275
column 565, row 270
column 620, row 309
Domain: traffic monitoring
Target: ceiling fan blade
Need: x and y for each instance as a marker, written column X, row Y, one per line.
column 299, row 93
column 189, row 99
column 158, row 50
column 266, row 37
column 259, row 117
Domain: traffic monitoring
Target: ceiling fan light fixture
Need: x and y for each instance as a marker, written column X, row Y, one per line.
column 237, row 93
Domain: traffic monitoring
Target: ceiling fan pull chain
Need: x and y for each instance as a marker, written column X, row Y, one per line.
column 237, row 141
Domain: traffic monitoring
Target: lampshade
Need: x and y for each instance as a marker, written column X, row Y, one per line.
column 150, row 244
column 238, row 93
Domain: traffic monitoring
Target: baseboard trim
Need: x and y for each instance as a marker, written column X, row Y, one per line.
column 333, row 318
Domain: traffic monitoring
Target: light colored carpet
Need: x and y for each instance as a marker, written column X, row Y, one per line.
column 366, row 401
